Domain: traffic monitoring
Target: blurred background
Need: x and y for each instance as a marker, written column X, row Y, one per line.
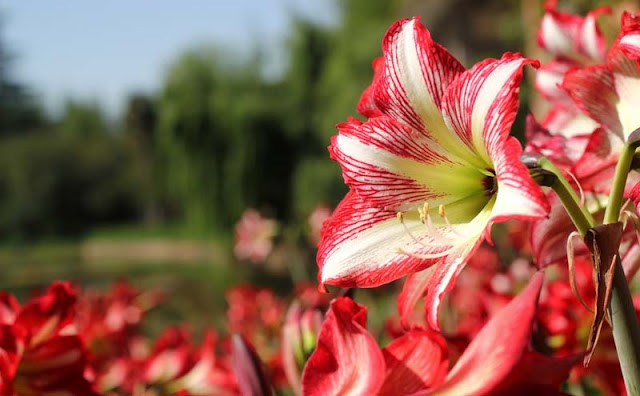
column 133, row 135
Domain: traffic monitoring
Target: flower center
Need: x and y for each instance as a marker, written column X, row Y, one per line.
column 490, row 183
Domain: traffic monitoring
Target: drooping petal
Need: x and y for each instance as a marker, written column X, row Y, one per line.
column 593, row 89
column 347, row 359
column 443, row 280
column 497, row 348
column 398, row 168
column 414, row 288
column 416, row 361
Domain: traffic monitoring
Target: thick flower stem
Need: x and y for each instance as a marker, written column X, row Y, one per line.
column 626, row 332
column 580, row 216
column 624, row 322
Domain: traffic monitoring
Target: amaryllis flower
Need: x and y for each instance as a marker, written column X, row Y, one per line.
column 176, row 366
column 348, row 361
column 610, row 93
column 40, row 351
column 431, row 173
column 575, row 42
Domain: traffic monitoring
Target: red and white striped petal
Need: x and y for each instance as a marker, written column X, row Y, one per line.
column 629, row 41
column 594, row 91
column 366, row 105
column 398, row 168
column 49, row 314
column 481, row 104
column 415, row 75
column 595, row 168
column 443, row 280
column 630, row 45
column 572, row 36
column 518, row 195
column 626, row 77
column 361, row 244
column 347, row 359
column 568, row 120
column 497, row 348
column 415, row 362
column 414, row 288
column 548, row 80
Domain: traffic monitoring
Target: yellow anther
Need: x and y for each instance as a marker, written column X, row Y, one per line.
column 441, row 211
column 424, row 212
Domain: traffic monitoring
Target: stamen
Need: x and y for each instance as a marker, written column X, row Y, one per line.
column 443, row 214
column 426, row 256
column 437, row 235
column 423, row 212
column 400, row 217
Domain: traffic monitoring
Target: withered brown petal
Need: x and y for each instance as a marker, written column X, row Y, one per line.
column 604, row 242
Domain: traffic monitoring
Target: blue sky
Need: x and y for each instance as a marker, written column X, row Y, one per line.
column 103, row 50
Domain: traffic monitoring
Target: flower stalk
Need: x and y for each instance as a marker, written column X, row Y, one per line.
column 624, row 322
column 580, row 216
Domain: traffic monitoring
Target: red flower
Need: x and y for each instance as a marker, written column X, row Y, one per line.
column 40, row 350
column 442, row 142
column 348, row 361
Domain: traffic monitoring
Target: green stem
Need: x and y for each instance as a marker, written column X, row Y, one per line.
column 626, row 331
column 580, row 216
column 624, row 321
column 612, row 213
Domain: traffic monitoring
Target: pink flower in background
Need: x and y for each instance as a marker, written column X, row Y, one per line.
column 253, row 236
column 430, row 174
column 317, row 217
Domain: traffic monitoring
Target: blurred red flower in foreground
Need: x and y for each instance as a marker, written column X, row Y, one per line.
column 40, row 350
column 348, row 361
